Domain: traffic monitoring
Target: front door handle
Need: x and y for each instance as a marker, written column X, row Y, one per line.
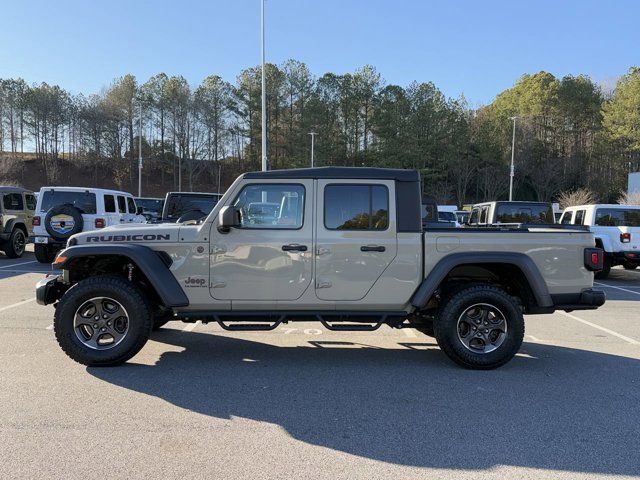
column 372, row 248
column 294, row 247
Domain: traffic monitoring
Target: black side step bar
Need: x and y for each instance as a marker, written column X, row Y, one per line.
column 351, row 327
column 246, row 327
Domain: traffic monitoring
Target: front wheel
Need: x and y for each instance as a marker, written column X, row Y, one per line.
column 102, row 321
column 606, row 269
column 480, row 327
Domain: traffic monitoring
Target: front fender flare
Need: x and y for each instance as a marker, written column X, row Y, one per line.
column 531, row 272
column 146, row 259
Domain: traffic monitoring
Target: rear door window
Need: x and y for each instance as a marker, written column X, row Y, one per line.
column 356, row 207
column 618, row 217
column 83, row 201
column 566, row 218
column 579, row 219
column 13, row 201
column 122, row 205
column 109, row 204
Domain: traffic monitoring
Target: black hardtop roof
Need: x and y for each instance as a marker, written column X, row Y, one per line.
column 9, row 189
column 362, row 173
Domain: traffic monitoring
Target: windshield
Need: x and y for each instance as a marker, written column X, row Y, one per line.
column 153, row 205
column 83, row 201
column 618, row 217
column 447, row 216
column 524, row 213
column 177, row 204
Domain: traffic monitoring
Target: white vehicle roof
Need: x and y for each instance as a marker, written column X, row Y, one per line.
column 602, row 205
column 86, row 189
column 447, row 208
column 194, row 193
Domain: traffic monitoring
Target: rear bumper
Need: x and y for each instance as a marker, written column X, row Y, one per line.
column 589, row 299
column 49, row 290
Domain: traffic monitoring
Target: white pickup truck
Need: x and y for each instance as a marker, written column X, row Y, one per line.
column 616, row 229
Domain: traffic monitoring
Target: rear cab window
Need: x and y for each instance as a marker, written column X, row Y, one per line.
column 618, row 217
column 356, row 207
column 83, row 201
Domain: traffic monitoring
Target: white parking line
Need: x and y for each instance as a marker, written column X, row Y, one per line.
column 190, row 327
column 617, row 288
column 18, row 264
column 17, row 304
column 606, row 330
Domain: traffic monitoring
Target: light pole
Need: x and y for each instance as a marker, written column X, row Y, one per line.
column 264, row 95
column 313, row 137
column 140, row 153
column 513, row 151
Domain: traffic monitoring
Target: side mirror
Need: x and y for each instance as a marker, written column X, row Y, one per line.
column 139, row 210
column 227, row 218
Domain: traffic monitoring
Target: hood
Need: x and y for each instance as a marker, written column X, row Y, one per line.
column 130, row 233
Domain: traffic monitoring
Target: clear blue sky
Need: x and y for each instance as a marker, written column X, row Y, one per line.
column 477, row 48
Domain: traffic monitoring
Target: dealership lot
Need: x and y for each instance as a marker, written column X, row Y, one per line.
column 303, row 402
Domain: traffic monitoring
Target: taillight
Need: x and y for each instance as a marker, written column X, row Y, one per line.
column 99, row 223
column 625, row 237
column 35, row 221
column 593, row 259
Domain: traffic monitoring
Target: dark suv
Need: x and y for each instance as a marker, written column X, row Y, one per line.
column 17, row 207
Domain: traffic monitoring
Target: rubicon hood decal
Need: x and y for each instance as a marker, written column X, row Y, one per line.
column 147, row 237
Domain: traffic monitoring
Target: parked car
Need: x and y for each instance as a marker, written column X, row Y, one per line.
column 515, row 212
column 151, row 207
column 188, row 206
column 616, row 229
column 463, row 216
column 347, row 249
column 17, row 207
column 64, row 211
column 447, row 213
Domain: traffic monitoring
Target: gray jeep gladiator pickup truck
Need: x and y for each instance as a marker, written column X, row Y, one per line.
column 342, row 246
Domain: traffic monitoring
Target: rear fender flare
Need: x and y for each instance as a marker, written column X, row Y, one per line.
column 531, row 272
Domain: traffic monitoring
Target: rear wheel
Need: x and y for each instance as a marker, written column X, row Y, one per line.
column 44, row 253
column 630, row 266
column 102, row 321
column 14, row 248
column 480, row 327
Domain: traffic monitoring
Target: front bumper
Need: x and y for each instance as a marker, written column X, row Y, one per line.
column 50, row 289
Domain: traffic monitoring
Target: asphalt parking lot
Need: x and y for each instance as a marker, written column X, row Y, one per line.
column 301, row 402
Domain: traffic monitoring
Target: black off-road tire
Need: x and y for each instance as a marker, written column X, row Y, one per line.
column 44, row 253
column 606, row 269
column 15, row 246
column 159, row 321
column 630, row 266
column 446, row 327
column 115, row 287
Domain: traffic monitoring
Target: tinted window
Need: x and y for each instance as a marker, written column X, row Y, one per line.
column 473, row 219
column 122, row 204
column 524, row 213
column 83, row 201
column 428, row 212
column 447, row 216
column 579, row 220
column 31, row 201
column 150, row 205
column 13, row 201
column 356, row 207
column 271, row 206
column 566, row 218
column 483, row 215
column 109, row 204
column 131, row 205
column 179, row 204
column 618, row 217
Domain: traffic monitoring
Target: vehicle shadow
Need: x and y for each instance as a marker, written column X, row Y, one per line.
column 550, row 408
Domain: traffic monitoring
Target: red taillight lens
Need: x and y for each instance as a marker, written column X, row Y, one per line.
column 625, row 237
column 595, row 258
column 35, row 221
column 99, row 223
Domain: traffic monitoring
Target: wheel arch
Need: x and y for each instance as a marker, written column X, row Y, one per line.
column 515, row 271
column 83, row 261
column 13, row 223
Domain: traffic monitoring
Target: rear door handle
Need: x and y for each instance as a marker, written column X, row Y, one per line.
column 372, row 248
column 294, row 247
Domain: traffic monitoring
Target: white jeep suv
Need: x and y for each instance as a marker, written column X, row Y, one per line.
column 64, row 211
